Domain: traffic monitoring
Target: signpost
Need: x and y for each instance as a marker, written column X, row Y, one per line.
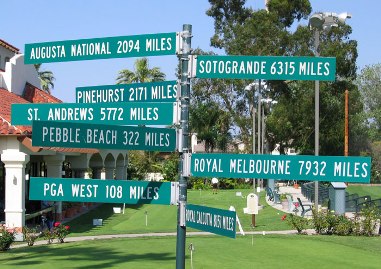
column 264, row 67
column 163, row 91
column 295, row 167
column 214, row 220
column 102, row 191
column 82, row 135
column 101, row 48
column 115, row 105
column 102, row 113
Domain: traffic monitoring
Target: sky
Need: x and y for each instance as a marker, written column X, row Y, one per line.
column 25, row 21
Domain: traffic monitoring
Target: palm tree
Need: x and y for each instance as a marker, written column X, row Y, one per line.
column 211, row 124
column 46, row 78
column 141, row 73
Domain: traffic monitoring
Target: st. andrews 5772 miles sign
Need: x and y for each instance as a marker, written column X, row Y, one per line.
column 99, row 113
column 297, row 167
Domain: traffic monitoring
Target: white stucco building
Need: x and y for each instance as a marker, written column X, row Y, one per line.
column 19, row 160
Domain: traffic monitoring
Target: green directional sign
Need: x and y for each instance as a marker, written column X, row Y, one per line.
column 289, row 167
column 82, row 135
column 102, row 191
column 101, row 48
column 163, row 91
column 213, row 220
column 265, row 67
column 100, row 113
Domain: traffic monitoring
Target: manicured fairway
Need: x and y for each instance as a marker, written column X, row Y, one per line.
column 268, row 251
column 161, row 218
column 361, row 190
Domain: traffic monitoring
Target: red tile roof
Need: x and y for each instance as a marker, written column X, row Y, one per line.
column 9, row 46
column 31, row 95
column 6, row 99
column 35, row 95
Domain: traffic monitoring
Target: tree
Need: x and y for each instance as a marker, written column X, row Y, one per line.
column 211, row 124
column 369, row 83
column 46, row 78
column 141, row 73
column 242, row 31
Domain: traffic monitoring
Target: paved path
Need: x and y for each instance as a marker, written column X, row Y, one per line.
column 113, row 236
column 283, row 189
column 295, row 193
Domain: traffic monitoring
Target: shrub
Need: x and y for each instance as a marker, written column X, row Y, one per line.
column 49, row 236
column 343, row 226
column 60, row 231
column 6, row 238
column 197, row 183
column 331, row 220
column 319, row 221
column 298, row 223
column 30, row 235
column 369, row 216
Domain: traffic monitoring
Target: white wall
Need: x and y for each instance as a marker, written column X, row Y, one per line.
column 3, row 54
column 17, row 74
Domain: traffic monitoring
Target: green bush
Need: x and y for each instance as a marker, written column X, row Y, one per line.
column 343, row 226
column 30, row 235
column 331, row 220
column 6, row 239
column 60, row 231
column 49, row 236
column 319, row 221
column 227, row 183
column 298, row 223
column 369, row 216
column 198, row 183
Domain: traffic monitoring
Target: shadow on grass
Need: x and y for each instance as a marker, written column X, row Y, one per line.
column 84, row 223
column 80, row 256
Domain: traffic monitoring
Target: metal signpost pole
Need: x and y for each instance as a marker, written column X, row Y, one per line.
column 184, row 148
column 316, row 33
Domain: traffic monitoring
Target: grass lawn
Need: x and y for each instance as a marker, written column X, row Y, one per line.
column 268, row 251
column 258, row 251
column 361, row 190
column 162, row 218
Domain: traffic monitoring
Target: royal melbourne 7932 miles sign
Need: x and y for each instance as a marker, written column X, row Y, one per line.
column 298, row 167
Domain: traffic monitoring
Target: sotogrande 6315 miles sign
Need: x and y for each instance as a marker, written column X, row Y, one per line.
column 297, row 167
column 264, row 67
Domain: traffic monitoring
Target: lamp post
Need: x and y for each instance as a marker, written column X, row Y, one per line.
column 269, row 102
column 321, row 21
column 253, row 87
